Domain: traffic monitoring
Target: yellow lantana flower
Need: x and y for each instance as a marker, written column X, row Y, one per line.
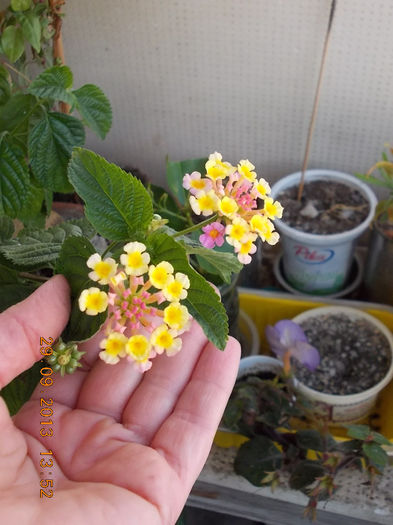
column 272, row 209
column 262, row 188
column 245, row 168
column 177, row 317
column 245, row 249
column 135, row 260
column 164, row 339
column 160, row 275
column 204, row 202
column 103, row 270
column 114, row 347
column 93, row 301
column 216, row 169
column 228, row 206
column 237, row 231
column 138, row 347
column 176, row 287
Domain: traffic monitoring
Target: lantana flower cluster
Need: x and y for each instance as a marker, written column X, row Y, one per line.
column 145, row 313
column 232, row 193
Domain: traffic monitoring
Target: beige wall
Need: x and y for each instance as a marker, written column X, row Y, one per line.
column 187, row 77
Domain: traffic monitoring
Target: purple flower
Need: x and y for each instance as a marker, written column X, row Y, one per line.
column 213, row 235
column 287, row 339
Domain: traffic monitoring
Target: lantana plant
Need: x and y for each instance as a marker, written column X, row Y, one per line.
column 131, row 273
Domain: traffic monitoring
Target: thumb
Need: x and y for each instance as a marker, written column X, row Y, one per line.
column 44, row 314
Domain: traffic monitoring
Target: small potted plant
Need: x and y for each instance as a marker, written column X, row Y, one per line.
column 276, row 448
column 319, row 229
column 349, row 358
column 378, row 283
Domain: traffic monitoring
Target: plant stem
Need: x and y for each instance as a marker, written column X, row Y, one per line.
column 316, row 100
column 196, row 226
column 12, row 68
column 33, row 277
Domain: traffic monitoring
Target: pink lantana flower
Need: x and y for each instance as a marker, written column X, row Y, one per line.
column 194, row 183
column 213, row 235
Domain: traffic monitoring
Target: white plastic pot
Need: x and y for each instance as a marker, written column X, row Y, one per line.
column 249, row 333
column 255, row 364
column 320, row 264
column 346, row 408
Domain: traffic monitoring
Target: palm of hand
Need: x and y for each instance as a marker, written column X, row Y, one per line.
column 126, row 448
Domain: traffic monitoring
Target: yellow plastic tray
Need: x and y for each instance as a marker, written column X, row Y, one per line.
column 269, row 307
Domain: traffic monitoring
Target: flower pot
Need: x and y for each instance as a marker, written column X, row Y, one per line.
column 257, row 364
column 345, row 408
column 378, row 282
column 249, row 336
column 313, row 263
column 352, row 284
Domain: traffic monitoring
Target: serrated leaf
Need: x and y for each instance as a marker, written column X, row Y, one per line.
column 202, row 301
column 34, row 249
column 14, row 177
column 5, row 88
column 16, row 393
column 219, row 262
column 72, row 264
column 14, row 115
column 116, row 203
column 6, row 228
column 31, row 28
column 256, row 458
column 94, row 108
column 175, row 172
column 12, row 42
column 54, row 83
column 50, row 146
column 31, row 213
column 305, row 473
column 376, row 454
column 364, row 432
column 20, row 5
column 87, row 229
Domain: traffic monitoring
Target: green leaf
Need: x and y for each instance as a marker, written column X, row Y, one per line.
column 72, row 264
column 6, row 228
column 20, row 5
column 31, row 213
column 50, row 146
column 305, row 473
column 85, row 226
column 202, row 301
column 218, row 262
column 54, row 83
column 13, row 293
column 116, row 203
column 376, row 454
column 175, row 172
column 256, row 458
column 16, row 393
column 166, row 206
column 5, row 88
column 14, row 177
column 34, row 249
column 14, row 115
column 314, row 440
column 31, row 28
column 94, row 108
column 364, row 432
column 12, row 42
column 8, row 276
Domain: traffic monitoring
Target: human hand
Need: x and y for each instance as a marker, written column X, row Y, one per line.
column 127, row 447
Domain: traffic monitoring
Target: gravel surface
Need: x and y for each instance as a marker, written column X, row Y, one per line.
column 326, row 207
column 354, row 355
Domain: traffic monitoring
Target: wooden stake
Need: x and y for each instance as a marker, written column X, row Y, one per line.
column 58, row 49
column 316, row 99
